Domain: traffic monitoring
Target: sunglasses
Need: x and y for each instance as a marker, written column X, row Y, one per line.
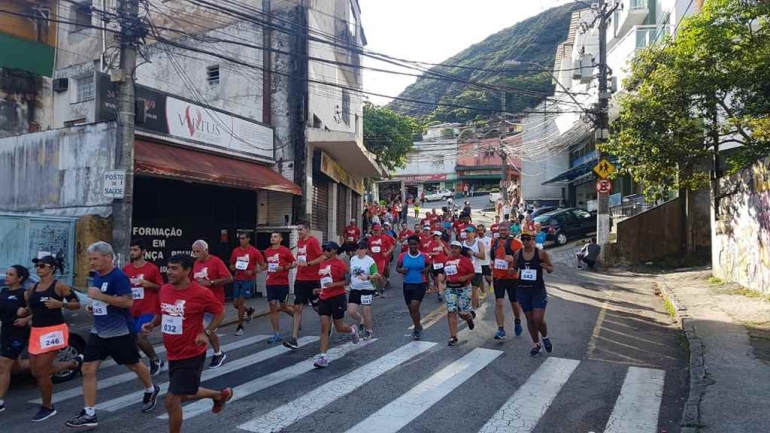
column 526, row 238
column 42, row 265
column 326, row 250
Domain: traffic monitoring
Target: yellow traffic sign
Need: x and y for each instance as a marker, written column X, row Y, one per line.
column 604, row 169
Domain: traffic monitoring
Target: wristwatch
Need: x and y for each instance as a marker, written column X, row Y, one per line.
column 208, row 332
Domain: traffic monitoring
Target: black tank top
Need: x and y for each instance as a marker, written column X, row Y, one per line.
column 10, row 302
column 526, row 267
column 43, row 316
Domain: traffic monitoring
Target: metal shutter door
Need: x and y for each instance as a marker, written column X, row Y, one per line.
column 320, row 217
column 341, row 208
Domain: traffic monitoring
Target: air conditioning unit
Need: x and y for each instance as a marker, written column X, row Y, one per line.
column 61, row 84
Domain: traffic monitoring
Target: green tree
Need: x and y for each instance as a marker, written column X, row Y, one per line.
column 388, row 135
column 711, row 85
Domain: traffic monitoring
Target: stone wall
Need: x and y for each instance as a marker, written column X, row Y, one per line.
column 741, row 234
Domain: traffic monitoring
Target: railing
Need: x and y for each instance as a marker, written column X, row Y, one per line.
column 638, row 4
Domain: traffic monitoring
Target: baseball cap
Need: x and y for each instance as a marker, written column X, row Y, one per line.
column 49, row 260
column 437, row 233
column 456, row 244
column 527, row 233
column 331, row 246
column 376, row 227
column 426, row 227
column 470, row 229
column 363, row 245
column 386, row 224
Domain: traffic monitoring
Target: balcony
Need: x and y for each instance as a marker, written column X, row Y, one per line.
column 639, row 37
column 633, row 14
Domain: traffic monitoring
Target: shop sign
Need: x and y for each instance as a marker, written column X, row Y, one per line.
column 330, row 168
column 162, row 243
column 423, row 177
column 114, row 184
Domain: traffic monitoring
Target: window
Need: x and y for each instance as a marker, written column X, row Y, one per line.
column 85, row 88
column 212, row 75
column 438, row 160
column 352, row 23
column 346, row 106
column 582, row 214
column 82, row 16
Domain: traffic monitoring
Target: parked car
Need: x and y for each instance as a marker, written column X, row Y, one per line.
column 564, row 224
column 493, row 196
column 542, row 210
column 439, row 195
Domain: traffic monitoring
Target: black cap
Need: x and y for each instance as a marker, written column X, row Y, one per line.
column 50, row 260
column 331, row 246
column 363, row 245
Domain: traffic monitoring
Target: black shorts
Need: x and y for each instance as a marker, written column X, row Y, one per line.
column 121, row 349
column 486, row 270
column 278, row 293
column 303, row 292
column 185, row 375
column 477, row 280
column 355, row 297
column 334, row 307
column 503, row 286
column 436, row 272
column 506, row 217
column 13, row 343
column 414, row 292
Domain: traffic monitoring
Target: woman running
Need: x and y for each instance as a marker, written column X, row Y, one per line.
column 363, row 270
column 414, row 266
column 530, row 262
column 459, row 271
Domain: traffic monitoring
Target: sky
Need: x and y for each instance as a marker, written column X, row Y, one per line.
column 432, row 31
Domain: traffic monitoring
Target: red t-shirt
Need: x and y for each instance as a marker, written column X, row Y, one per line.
column 307, row 251
column 278, row 257
column 436, row 252
column 497, row 270
column 456, row 267
column 460, row 230
column 249, row 258
column 425, row 241
column 403, row 236
column 495, row 228
column 378, row 245
column 212, row 269
column 335, row 269
column 352, row 234
column 182, row 319
column 428, row 221
column 145, row 300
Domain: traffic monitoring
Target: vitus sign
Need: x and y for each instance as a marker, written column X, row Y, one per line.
column 188, row 121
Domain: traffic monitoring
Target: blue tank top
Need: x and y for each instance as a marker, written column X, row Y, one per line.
column 415, row 265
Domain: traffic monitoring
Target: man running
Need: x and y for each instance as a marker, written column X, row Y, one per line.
column 506, row 279
column 246, row 261
column 381, row 247
column 363, row 271
column 459, row 226
column 211, row 272
column 112, row 334
column 495, row 228
column 352, row 236
column 414, row 266
column 279, row 260
column 476, row 256
column 403, row 236
column 145, row 281
column 331, row 304
column 486, row 270
column 530, row 262
column 460, row 271
column 309, row 256
column 437, row 251
column 183, row 304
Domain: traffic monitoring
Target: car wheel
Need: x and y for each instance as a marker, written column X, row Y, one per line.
column 77, row 346
column 561, row 239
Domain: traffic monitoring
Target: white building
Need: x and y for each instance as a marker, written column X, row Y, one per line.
column 430, row 166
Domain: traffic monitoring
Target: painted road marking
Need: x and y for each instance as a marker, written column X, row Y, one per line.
column 229, row 367
column 522, row 412
column 598, row 326
column 432, row 317
column 638, row 406
column 127, row 377
column 282, row 417
column 417, row 400
column 280, row 376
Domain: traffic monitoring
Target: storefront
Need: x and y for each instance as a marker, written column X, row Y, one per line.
column 415, row 185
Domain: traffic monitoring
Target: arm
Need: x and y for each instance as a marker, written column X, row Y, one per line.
column 482, row 252
column 316, row 249
column 157, row 281
column 399, row 266
column 149, row 326
column 123, row 300
column 546, row 262
column 73, row 303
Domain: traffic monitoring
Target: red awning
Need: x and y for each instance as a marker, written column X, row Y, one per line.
column 190, row 165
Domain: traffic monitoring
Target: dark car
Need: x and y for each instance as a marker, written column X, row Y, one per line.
column 565, row 224
column 542, row 210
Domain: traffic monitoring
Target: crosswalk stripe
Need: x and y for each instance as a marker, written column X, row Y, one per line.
column 280, row 376
column 417, row 400
column 637, row 407
column 129, row 376
column 522, row 412
column 315, row 400
column 228, row 367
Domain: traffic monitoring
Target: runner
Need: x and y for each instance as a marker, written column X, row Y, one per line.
column 414, row 266
column 416, row 209
column 331, row 304
column 495, row 228
column 459, row 225
column 428, row 220
column 530, row 262
column 476, row 256
column 352, row 236
column 183, row 304
column 403, row 236
column 113, row 334
column 363, row 271
column 309, row 256
column 486, row 270
column 211, row 272
column 437, row 251
column 279, row 260
column 381, row 247
column 49, row 333
column 506, row 279
column 145, row 279
column 246, row 261
column 460, row 271
column 507, row 210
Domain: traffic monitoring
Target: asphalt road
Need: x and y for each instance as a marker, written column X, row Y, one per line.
column 617, row 366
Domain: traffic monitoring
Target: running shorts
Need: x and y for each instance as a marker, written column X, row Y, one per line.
column 532, row 298
column 277, row 293
column 243, row 289
column 458, row 300
column 414, row 292
column 121, row 349
column 486, row 270
column 12, row 343
column 303, row 292
column 361, row 297
column 333, row 307
column 477, row 280
column 141, row 320
column 506, row 286
column 185, row 375
column 48, row 339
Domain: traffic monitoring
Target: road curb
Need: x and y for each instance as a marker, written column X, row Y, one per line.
column 698, row 374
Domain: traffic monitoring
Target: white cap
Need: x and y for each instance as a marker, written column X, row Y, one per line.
column 437, row 233
column 456, row 244
column 426, row 227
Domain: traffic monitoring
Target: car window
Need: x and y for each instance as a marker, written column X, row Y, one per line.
column 580, row 213
column 543, row 220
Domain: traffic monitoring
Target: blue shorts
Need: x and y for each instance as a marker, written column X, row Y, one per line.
column 243, row 289
column 141, row 320
column 531, row 299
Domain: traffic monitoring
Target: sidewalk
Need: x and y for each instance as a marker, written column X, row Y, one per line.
column 730, row 353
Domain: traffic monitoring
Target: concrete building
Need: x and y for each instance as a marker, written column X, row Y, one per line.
column 429, row 167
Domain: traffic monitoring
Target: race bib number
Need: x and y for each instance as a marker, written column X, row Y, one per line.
column 496, row 235
column 529, row 274
column 302, row 259
column 171, row 325
column 326, row 281
column 366, row 299
column 350, row 238
column 137, row 292
column 451, row 270
column 501, row 264
column 52, row 339
column 241, row 265
column 99, row 308
column 438, row 266
column 376, row 249
column 463, row 235
column 272, row 267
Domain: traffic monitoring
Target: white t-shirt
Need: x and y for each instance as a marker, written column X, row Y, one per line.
column 476, row 261
column 506, row 210
column 487, row 242
column 359, row 270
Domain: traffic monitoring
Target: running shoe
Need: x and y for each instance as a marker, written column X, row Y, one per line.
column 275, row 339
column 356, row 335
column 155, row 367
column 150, row 398
column 82, row 420
column 416, row 334
column 473, row 314
column 471, row 324
column 321, row 362
column 291, row 343
column 500, row 334
column 361, row 328
column 535, row 351
column 44, row 413
column 217, row 360
column 250, row 314
column 547, row 344
column 440, row 298
column 452, row 341
column 219, row 405
column 368, row 335
column 517, row 328
column 239, row 331
column 2, row 407
column 482, row 295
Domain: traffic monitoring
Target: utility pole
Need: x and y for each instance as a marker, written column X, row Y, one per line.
column 503, row 153
column 122, row 209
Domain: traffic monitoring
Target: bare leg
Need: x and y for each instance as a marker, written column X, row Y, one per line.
column 274, row 316
column 297, row 319
column 144, row 344
column 143, row 373
column 6, row 364
column 174, row 406
column 414, row 312
column 475, row 297
column 532, row 327
column 89, row 382
column 42, row 366
column 325, row 326
column 214, row 341
column 341, row 327
column 516, row 310
column 354, row 313
column 538, row 317
column 500, row 312
column 240, row 305
column 452, row 319
column 287, row 309
column 368, row 317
